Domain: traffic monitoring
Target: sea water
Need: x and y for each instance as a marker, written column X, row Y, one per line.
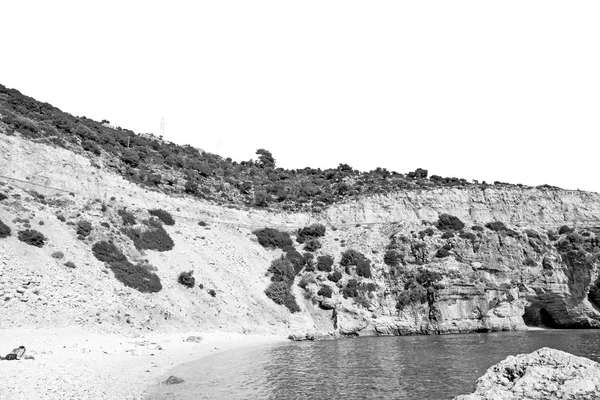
column 407, row 367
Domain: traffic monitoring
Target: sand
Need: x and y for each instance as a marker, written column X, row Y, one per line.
column 78, row 364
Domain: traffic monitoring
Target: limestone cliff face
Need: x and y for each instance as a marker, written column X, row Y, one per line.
column 488, row 280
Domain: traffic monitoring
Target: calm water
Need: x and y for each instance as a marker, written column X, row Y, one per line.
column 408, row 367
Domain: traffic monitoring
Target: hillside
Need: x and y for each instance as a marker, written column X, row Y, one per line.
column 405, row 254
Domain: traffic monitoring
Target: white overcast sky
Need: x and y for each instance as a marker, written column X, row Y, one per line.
column 502, row 90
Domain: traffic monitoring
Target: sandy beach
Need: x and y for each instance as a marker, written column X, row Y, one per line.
column 78, row 364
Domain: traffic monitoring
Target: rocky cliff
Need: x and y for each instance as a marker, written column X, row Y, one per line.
column 423, row 277
column 543, row 374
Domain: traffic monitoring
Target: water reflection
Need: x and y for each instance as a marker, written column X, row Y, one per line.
column 424, row 367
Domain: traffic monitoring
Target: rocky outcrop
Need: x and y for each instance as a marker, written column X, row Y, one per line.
column 543, row 374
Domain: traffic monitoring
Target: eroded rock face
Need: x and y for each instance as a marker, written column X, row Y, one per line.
column 543, row 374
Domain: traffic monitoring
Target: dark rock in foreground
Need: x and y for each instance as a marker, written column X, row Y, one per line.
column 543, row 374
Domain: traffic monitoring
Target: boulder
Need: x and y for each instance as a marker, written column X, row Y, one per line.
column 544, row 374
column 173, row 380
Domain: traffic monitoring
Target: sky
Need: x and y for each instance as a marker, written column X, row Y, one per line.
column 497, row 91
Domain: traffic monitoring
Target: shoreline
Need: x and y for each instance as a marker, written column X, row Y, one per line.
column 77, row 363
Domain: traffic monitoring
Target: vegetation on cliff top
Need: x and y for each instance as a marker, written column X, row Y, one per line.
column 151, row 161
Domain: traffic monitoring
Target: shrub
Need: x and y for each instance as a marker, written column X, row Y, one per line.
column 427, row 278
column 127, row 217
column 335, row 276
column 325, row 291
column 70, row 264
column 84, row 228
column 477, row 228
column 282, row 270
column 3, row 196
column 312, row 245
column 202, row 223
column 324, row 263
column 151, row 239
column 4, row 230
column 105, row 224
column 442, row 253
column 310, row 232
column 448, row 235
column 58, row 255
column 296, row 259
column 391, row 258
column 412, row 293
column 61, row 218
column 564, row 230
column 212, row 292
column 529, row 261
column 280, row 293
column 272, row 238
column 364, row 268
column 351, row 257
column 351, row 289
column 136, row 276
column 498, row 226
column 107, row 252
column 187, row 279
column 449, row 222
column 131, row 275
column 467, row 235
column 162, row 215
column 308, row 260
column 532, row 234
column 32, row 237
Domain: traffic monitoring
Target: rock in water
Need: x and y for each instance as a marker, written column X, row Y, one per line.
column 544, row 374
column 173, row 380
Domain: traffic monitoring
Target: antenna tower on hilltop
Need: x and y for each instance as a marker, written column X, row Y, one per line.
column 162, row 128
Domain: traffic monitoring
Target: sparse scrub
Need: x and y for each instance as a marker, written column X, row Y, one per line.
column 498, row 226
column 280, row 293
column 448, row 235
column 162, row 215
column 186, row 278
column 58, row 255
column 32, row 237
column 282, row 270
column 392, row 258
column 296, row 259
column 351, row 289
column 3, row 196
column 212, row 292
column 351, row 257
column 70, row 264
column 563, row 230
column 363, row 268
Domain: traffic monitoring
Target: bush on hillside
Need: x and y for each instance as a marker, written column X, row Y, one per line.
column 127, row 217
column 4, row 230
column 448, row 235
column 309, row 261
column 272, row 238
column 335, row 276
column 282, row 270
column 296, row 259
column 107, row 252
column 324, row 263
column 447, row 222
column 280, row 293
column 3, row 196
column 351, row 257
column 32, row 237
column 477, row 228
column 58, row 255
column 153, row 238
column 325, row 291
column 131, row 275
column 363, row 268
column 187, row 279
column 162, row 215
column 310, row 232
column 351, row 289
column 312, row 245
column 563, row 230
column 70, row 264
column 136, row 276
column 392, row 258
column 84, row 228
column 498, row 226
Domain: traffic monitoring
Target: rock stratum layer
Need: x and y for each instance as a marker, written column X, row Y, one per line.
column 437, row 280
column 543, row 374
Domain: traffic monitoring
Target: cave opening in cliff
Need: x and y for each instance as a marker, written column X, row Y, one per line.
column 538, row 317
